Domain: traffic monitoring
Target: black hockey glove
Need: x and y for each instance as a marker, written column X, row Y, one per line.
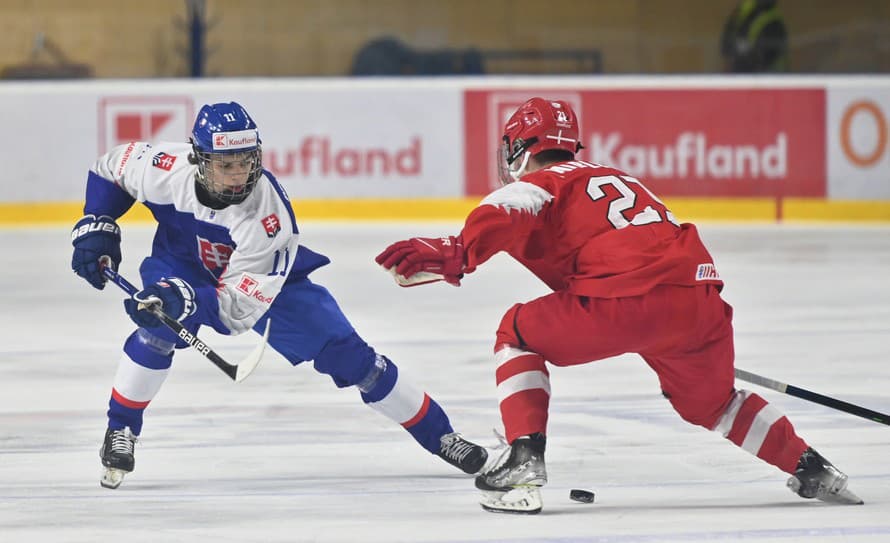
column 93, row 238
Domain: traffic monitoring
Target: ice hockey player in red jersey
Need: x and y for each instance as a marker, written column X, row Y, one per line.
column 626, row 278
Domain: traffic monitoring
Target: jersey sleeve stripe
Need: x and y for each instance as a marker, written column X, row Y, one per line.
column 520, row 195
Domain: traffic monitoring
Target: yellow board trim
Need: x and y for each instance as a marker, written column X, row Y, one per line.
column 30, row 214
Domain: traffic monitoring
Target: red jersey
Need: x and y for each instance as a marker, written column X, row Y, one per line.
column 588, row 229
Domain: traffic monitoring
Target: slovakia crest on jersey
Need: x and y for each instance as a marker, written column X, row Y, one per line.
column 214, row 256
column 163, row 161
column 272, row 225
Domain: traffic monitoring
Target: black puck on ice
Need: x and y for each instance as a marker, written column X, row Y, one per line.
column 582, row 496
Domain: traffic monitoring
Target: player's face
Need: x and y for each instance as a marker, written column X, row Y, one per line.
column 229, row 173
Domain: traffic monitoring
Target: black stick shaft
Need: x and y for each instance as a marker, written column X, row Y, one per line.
column 814, row 397
column 173, row 324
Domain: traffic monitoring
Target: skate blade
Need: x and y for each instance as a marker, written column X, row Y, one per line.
column 838, row 493
column 112, row 478
column 844, row 497
column 521, row 500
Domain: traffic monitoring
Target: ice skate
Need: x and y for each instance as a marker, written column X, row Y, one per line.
column 512, row 484
column 117, row 456
column 462, row 454
column 816, row 477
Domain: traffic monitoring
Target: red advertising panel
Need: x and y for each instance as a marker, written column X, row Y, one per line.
column 680, row 142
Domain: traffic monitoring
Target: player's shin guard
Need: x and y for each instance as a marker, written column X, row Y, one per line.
column 141, row 371
column 388, row 393
column 753, row 424
column 523, row 391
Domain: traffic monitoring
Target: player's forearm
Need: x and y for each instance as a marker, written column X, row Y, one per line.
column 489, row 230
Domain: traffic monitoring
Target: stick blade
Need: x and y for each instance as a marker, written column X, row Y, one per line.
column 419, row 278
column 246, row 366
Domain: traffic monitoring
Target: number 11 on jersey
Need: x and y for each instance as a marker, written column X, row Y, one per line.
column 285, row 262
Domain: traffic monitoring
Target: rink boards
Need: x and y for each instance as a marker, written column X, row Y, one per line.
column 715, row 148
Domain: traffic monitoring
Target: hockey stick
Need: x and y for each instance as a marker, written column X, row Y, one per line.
column 805, row 394
column 237, row 372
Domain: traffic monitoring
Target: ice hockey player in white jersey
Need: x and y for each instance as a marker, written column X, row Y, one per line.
column 226, row 254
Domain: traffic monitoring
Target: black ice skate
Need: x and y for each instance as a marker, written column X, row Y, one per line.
column 816, row 477
column 513, row 484
column 117, row 456
column 462, row 454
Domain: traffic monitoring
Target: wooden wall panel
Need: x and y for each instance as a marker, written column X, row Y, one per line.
column 320, row 37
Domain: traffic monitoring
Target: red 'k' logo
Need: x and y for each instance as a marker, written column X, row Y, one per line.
column 246, row 284
column 143, row 118
column 272, row 225
column 215, row 256
column 163, row 161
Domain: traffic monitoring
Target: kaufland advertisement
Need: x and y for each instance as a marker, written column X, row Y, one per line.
column 680, row 142
column 329, row 140
column 418, row 138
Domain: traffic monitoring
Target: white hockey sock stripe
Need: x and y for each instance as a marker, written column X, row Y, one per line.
column 135, row 385
column 760, row 426
column 507, row 353
column 402, row 404
column 126, row 402
column 724, row 425
column 749, row 436
column 424, row 408
column 518, row 371
column 528, row 380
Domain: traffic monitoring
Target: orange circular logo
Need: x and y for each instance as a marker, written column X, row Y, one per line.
column 865, row 107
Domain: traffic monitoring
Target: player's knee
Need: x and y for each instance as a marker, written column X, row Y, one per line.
column 349, row 361
column 155, row 343
column 507, row 333
column 704, row 411
column 148, row 350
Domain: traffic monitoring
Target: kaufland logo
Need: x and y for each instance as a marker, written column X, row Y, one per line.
column 243, row 139
column 692, row 155
column 324, row 156
column 123, row 119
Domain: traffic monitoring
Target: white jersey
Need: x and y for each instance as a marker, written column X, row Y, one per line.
column 242, row 254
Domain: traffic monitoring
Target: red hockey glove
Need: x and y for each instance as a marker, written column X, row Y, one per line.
column 418, row 261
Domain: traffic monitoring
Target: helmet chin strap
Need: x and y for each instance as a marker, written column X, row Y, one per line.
column 520, row 171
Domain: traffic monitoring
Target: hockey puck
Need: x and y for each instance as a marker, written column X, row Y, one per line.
column 581, row 496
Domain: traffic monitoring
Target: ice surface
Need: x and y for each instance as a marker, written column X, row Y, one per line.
column 285, row 456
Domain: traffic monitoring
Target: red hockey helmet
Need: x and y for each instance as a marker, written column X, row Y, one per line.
column 538, row 125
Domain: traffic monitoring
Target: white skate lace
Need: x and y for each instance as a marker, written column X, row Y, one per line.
column 455, row 448
column 122, row 441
